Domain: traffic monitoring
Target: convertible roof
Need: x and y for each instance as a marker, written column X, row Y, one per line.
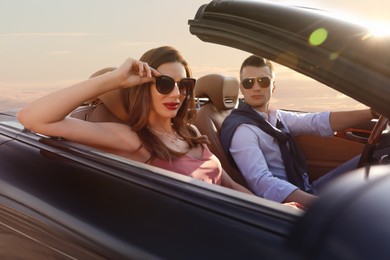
column 340, row 54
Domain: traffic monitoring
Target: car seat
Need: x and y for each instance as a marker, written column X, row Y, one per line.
column 108, row 107
column 222, row 94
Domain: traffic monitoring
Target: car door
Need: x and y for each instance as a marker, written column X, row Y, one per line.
column 25, row 237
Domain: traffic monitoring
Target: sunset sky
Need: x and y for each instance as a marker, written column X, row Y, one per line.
column 48, row 44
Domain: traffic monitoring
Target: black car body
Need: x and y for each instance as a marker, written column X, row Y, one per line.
column 64, row 200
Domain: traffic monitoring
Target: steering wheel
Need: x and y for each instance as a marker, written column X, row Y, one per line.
column 373, row 139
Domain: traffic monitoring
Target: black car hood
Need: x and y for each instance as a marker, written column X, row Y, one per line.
column 349, row 60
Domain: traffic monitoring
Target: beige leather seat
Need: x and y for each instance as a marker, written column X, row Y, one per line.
column 222, row 94
column 96, row 111
column 109, row 107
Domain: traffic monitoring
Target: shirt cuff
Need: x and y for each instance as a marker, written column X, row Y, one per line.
column 279, row 193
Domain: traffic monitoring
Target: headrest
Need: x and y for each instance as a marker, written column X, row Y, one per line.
column 221, row 90
column 114, row 99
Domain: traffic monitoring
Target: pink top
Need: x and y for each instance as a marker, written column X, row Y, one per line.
column 208, row 168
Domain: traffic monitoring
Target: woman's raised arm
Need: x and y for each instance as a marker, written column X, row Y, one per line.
column 48, row 115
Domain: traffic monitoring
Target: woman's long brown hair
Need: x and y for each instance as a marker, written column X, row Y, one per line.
column 139, row 108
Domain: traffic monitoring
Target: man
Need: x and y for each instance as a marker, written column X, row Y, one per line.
column 259, row 140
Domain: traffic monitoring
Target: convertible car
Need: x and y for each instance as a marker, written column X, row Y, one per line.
column 63, row 200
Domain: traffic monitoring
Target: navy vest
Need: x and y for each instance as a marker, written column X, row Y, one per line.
column 293, row 159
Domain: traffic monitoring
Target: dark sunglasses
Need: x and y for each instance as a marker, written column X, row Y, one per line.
column 165, row 85
column 263, row 82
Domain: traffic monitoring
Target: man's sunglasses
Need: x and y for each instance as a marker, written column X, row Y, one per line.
column 165, row 85
column 263, row 82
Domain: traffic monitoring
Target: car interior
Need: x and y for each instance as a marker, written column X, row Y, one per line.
column 221, row 94
column 217, row 95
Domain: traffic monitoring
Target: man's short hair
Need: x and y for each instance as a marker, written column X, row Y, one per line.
column 257, row 61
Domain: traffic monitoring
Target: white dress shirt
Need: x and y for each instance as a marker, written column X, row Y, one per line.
column 258, row 156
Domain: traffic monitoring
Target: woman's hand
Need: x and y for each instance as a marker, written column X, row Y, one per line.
column 134, row 72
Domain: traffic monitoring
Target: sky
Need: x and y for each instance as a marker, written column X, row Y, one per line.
column 50, row 44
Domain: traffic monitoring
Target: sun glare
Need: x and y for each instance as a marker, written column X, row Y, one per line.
column 380, row 29
column 376, row 28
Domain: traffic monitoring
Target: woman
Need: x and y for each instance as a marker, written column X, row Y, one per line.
column 161, row 108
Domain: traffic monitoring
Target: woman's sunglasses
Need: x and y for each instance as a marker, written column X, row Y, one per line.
column 165, row 85
column 263, row 82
